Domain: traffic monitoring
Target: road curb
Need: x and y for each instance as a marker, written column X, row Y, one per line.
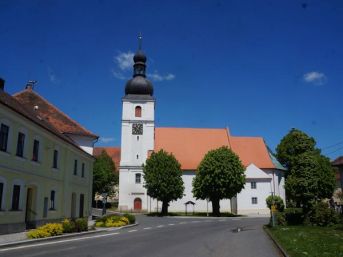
column 71, row 235
column 284, row 253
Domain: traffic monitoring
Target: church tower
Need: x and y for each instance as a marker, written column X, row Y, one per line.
column 137, row 135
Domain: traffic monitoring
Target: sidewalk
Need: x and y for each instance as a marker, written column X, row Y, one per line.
column 21, row 236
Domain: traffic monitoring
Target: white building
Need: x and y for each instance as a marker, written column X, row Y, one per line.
column 264, row 174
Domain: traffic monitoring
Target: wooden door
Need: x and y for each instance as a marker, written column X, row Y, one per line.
column 137, row 204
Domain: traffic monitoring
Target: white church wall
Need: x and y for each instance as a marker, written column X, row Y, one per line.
column 262, row 191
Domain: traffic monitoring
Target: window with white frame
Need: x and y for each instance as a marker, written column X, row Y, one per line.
column 20, row 144
column 138, row 178
column 83, row 170
column 4, row 132
column 35, row 150
column 55, row 159
column 75, row 167
column 15, row 197
column 1, row 193
column 253, row 184
column 52, row 199
column 253, row 200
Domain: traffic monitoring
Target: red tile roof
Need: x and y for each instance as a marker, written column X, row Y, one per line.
column 338, row 161
column 189, row 146
column 16, row 106
column 52, row 114
column 113, row 152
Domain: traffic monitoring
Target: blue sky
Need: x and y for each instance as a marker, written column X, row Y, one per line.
column 258, row 67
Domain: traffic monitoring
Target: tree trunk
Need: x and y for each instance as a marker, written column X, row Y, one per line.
column 216, row 207
column 165, row 205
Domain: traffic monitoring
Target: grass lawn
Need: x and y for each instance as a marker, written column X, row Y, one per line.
column 310, row 241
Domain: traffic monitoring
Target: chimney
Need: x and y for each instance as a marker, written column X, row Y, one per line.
column 30, row 84
column 2, row 84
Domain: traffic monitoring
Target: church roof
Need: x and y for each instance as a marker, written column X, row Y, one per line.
column 113, row 152
column 62, row 122
column 338, row 161
column 189, row 146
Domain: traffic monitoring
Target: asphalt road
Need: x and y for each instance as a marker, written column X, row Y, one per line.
column 167, row 237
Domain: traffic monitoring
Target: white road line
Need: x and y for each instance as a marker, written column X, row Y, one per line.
column 56, row 242
column 160, row 226
column 195, row 221
column 183, row 222
column 134, row 230
column 221, row 220
column 147, row 228
column 171, row 224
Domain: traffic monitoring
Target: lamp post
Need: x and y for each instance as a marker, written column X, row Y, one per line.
column 104, row 200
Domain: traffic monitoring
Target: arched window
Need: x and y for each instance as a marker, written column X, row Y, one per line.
column 138, row 111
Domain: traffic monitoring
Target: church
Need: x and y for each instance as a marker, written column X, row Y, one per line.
column 139, row 137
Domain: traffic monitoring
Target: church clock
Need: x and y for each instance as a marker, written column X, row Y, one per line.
column 137, row 129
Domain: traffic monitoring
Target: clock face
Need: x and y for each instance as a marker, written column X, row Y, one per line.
column 137, row 129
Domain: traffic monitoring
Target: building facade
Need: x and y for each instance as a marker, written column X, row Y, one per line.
column 139, row 136
column 45, row 175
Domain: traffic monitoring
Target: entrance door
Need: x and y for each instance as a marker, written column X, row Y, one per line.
column 82, row 203
column 29, row 211
column 137, row 204
column 73, row 205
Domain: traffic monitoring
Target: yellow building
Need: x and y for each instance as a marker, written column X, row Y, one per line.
column 46, row 163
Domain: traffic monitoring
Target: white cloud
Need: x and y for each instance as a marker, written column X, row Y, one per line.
column 124, row 60
column 106, row 139
column 124, row 65
column 158, row 77
column 315, row 77
column 118, row 75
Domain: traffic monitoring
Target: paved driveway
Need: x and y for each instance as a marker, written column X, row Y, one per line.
column 168, row 237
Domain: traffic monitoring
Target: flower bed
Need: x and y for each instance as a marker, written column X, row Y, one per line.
column 115, row 220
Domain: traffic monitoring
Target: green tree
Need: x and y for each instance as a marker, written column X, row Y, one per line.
column 311, row 179
column 163, row 178
column 277, row 200
column 220, row 175
column 104, row 175
column 292, row 145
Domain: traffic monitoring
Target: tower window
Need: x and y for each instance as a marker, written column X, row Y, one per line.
column 137, row 156
column 138, row 178
column 137, row 138
column 138, row 111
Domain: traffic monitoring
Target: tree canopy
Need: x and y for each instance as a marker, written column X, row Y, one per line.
column 311, row 179
column 296, row 142
column 310, row 176
column 104, row 176
column 220, row 175
column 163, row 178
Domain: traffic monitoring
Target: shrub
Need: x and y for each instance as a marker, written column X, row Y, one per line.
column 278, row 201
column 47, row 230
column 280, row 219
column 322, row 215
column 68, row 226
column 294, row 216
column 81, row 224
column 112, row 221
column 130, row 217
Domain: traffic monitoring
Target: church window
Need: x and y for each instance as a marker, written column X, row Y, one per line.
column 137, row 156
column 138, row 178
column 137, row 138
column 138, row 111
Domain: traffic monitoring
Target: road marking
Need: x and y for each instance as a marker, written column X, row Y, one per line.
column 221, row 220
column 236, row 218
column 134, row 230
column 160, row 226
column 147, row 228
column 56, row 242
column 171, row 224
column 183, row 222
column 195, row 221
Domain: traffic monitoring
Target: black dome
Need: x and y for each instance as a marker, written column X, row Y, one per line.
column 139, row 85
column 139, row 56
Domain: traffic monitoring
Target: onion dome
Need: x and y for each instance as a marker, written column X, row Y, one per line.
column 139, row 85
